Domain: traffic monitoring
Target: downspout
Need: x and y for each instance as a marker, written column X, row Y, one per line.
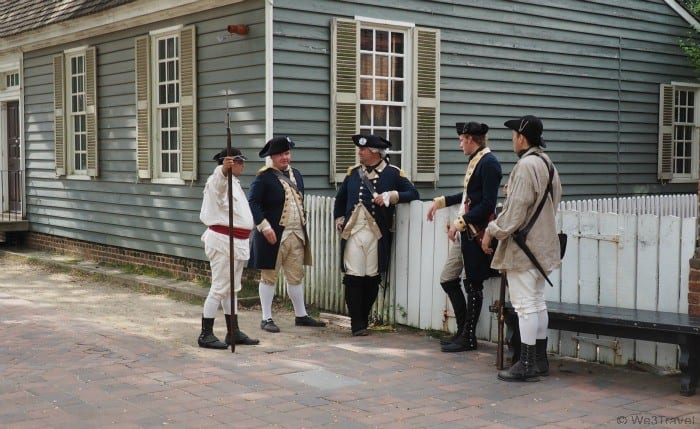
column 619, row 114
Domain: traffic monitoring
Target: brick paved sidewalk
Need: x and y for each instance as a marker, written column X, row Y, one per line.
column 61, row 369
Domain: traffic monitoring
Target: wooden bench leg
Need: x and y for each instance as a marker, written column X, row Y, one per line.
column 689, row 363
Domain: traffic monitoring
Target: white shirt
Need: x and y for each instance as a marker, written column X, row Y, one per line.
column 215, row 212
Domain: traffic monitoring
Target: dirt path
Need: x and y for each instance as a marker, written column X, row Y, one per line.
column 154, row 316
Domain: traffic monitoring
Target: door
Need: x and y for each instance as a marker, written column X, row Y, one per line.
column 14, row 175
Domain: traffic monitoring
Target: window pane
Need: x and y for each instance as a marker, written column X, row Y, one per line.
column 164, row 144
column 80, row 103
column 366, row 39
column 162, row 75
column 365, row 115
column 397, row 43
column 162, row 95
column 382, row 41
column 366, row 89
column 381, row 90
column 161, row 49
column 382, row 66
column 395, row 139
column 379, row 116
column 366, row 64
column 397, row 66
column 174, row 167
column 173, row 140
column 397, row 90
column 173, row 118
column 395, row 116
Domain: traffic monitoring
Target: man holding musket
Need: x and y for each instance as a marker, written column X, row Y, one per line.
column 477, row 204
column 215, row 214
column 534, row 191
column 364, row 213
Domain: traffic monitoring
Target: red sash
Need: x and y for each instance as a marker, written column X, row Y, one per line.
column 239, row 233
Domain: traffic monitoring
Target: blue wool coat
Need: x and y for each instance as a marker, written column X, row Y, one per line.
column 482, row 192
column 266, row 197
column 348, row 196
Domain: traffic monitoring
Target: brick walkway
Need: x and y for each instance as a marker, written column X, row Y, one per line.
column 64, row 370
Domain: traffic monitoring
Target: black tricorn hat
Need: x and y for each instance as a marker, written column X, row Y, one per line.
column 529, row 126
column 471, row 128
column 235, row 153
column 370, row 140
column 276, row 145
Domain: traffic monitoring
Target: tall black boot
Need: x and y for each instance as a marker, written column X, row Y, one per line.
column 525, row 369
column 239, row 336
column 354, row 301
column 466, row 340
column 370, row 290
column 453, row 289
column 541, row 360
column 207, row 339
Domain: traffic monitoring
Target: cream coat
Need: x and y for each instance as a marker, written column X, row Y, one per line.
column 527, row 184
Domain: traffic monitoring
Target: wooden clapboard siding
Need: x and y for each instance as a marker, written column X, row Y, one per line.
column 115, row 208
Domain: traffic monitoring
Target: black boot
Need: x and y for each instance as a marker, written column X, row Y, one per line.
column 370, row 290
column 541, row 361
column 525, row 369
column 453, row 289
column 238, row 335
column 207, row 339
column 354, row 301
column 466, row 340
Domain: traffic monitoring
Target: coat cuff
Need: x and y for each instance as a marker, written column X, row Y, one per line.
column 263, row 225
column 440, row 202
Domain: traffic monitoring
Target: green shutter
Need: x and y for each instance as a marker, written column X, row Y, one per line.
column 345, row 106
column 143, row 108
column 665, row 161
column 59, row 119
column 188, row 104
column 427, row 109
column 91, row 110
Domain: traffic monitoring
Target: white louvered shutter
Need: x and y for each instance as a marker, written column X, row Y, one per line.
column 665, row 166
column 345, row 106
column 59, row 119
column 91, row 111
column 427, row 109
column 143, row 102
column 188, row 104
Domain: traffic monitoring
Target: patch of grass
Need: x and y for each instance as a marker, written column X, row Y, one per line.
column 143, row 270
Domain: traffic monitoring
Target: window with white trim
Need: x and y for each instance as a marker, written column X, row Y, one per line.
column 679, row 116
column 382, row 104
column 385, row 81
column 75, row 113
column 165, row 97
column 12, row 80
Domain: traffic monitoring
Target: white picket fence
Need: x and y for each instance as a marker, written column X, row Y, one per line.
column 626, row 252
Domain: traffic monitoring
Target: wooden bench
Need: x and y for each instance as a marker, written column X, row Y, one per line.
column 659, row 326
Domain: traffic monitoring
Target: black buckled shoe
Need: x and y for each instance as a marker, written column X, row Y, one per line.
column 207, row 339
column 239, row 336
column 360, row 333
column 308, row 321
column 269, row 326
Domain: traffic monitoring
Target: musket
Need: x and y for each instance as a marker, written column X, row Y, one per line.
column 501, row 314
column 232, row 272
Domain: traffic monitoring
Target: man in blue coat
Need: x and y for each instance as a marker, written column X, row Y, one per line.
column 279, row 240
column 477, row 203
column 364, row 213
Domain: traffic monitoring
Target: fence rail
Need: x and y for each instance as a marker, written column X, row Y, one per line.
column 625, row 252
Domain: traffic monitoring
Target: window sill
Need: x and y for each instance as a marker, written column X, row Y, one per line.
column 167, row 181
column 78, row 177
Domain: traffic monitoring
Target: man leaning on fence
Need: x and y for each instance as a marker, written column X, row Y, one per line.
column 533, row 181
column 477, row 203
column 364, row 213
